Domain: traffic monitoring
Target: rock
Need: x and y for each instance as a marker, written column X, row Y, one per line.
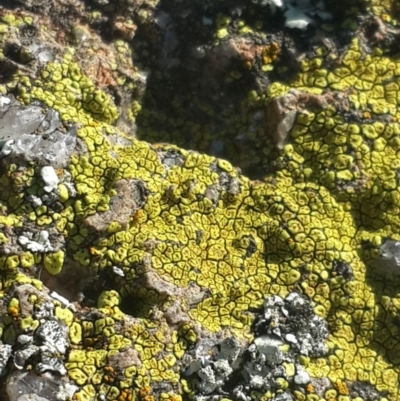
column 28, row 386
column 285, row 396
column 29, row 133
column 270, row 348
column 49, row 177
column 36, row 243
column 301, row 377
column 388, row 264
column 5, row 354
column 53, row 335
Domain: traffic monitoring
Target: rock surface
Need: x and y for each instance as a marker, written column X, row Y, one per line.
column 135, row 269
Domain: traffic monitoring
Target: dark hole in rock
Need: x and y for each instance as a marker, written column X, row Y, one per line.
column 7, row 70
column 104, row 281
column 132, row 306
column 137, row 307
column 12, row 51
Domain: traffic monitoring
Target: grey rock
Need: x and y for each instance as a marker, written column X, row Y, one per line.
column 284, row 330
column 285, row 396
column 17, row 121
column 302, row 13
column 22, row 356
column 389, row 262
column 270, row 348
column 293, row 320
column 49, row 177
column 230, row 350
column 32, row 133
column 208, row 380
column 24, row 339
column 36, row 243
column 24, row 386
column 301, row 377
column 44, row 310
column 53, row 336
column 5, row 353
column 34, row 200
column 49, row 364
column 222, row 368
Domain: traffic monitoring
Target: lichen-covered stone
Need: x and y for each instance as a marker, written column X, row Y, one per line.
column 132, row 271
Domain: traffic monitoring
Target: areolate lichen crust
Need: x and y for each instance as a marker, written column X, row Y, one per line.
column 134, row 270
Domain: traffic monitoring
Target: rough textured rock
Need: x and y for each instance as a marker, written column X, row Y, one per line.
column 139, row 271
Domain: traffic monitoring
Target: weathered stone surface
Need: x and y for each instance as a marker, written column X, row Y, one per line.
column 139, row 271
